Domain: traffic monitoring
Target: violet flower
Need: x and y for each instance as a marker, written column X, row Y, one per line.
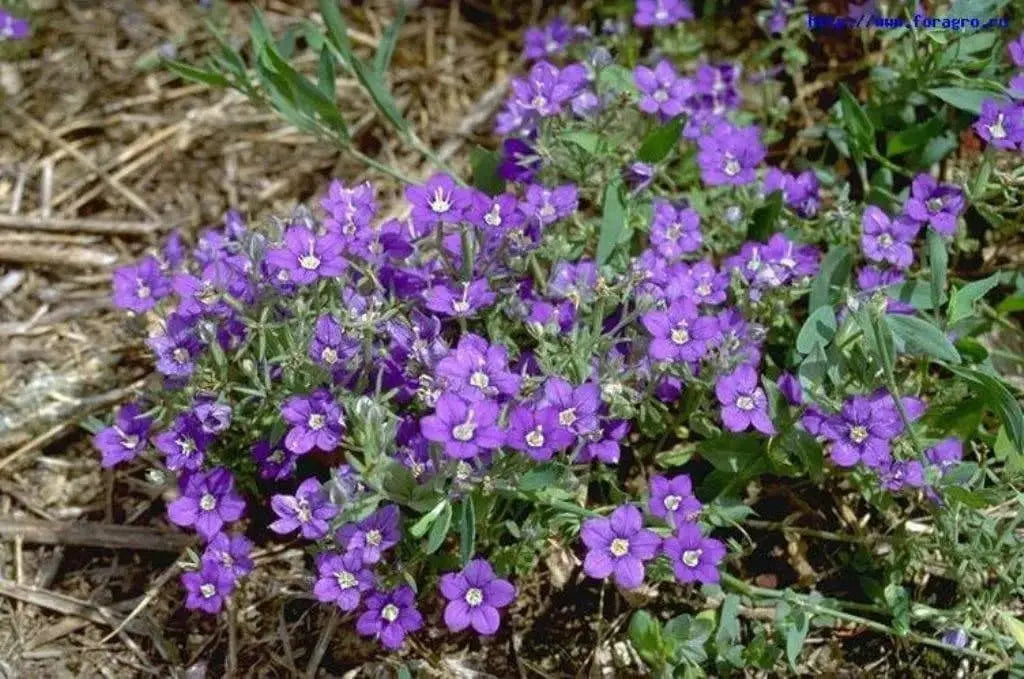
column 176, row 349
column 184, row 444
column 275, row 462
column 547, row 206
column 213, row 417
column 673, row 499
column 476, row 370
column 126, row 438
column 894, row 476
column 316, row 421
column 946, row 453
column 342, row 579
column 373, row 536
column 474, row 597
column 329, row 346
column 887, row 240
column 661, row 12
column 862, row 431
column 230, row 552
column 208, row 588
column 540, row 43
column 577, row 407
column 438, row 200
column 537, row 432
column 11, row 27
column 519, row 161
column 208, row 501
column 679, row 333
column 1016, row 50
column 1001, row 123
column 728, row 155
column 308, row 510
column 618, row 545
column 675, row 231
column 463, row 428
column 662, row 91
column 694, row 558
column 307, row 257
column 934, row 204
column 138, row 287
column 390, row 616
column 744, row 403
column 457, row 302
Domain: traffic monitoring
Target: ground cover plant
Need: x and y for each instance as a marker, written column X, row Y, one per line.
column 673, row 316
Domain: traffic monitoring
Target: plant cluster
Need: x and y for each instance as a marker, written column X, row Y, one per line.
column 625, row 319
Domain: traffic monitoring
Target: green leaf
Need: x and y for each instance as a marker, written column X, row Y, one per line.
column 732, row 452
column 536, row 478
column 386, row 45
column 878, row 337
column 586, row 140
column 1014, row 627
column 660, row 141
column 308, row 99
column 856, row 121
column 484, row 164
column 467, row 530
column 917, row 294
column 999, row 398
column 835, row 271
column 198, row 75
column 898, row 601
column 687, row 635
column 818, row 330
column 645, row 635
column 798, row 444
column 765, row 218
column 419, row 528
column 962, row 98
column 914, row 137
column 613, row 221
column 439, row 529
column 615, row 79
column 961, row 304
column 813, row 369
column 728, row 623
column 938, row 261
column 922, row 337
column 337, row 29
column 325, row 74
column 796, row 634
column 258, row 31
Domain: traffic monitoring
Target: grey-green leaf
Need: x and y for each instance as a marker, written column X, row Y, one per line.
column 922, row 337
column 818, row 330
column 961, row 304
column 613, row 221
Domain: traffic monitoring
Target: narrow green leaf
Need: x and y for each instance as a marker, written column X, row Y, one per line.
column 613, row 221
column 258, row 31
column 963, row 98
column 326, row 75
column 796, row 634
column 485, row 165
column 337, row 29
column 660, row 141
column 439, row 529
column 999, row 399
column 467, row 530
column 308, row 98
column 961, row 304
column 914, row 137
column 922, row 337
column 818, row 330
column 856, row 121
column 835, row 271
column 1014, row 626
column 386, row 45
column 198, row 75
column 419, row 528
column 938, row 261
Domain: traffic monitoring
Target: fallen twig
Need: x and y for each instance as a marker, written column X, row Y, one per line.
column 103, row 226
column 94, row 534
column 66, row 605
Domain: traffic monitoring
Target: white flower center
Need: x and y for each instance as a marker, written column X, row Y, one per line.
column 996, row 129
column 345, row 579
column 619, row 547
column 704, row 289
column 493, row 218
column 207, row 590
column 284, row 275
column 460, row 306
column 302, row 511
column 480, row 380
column 373, row 537
column 535, row 439
column 130, row 442
column 661, row 96
column 567, row 417
column 143, row 291
column 329, row 356
column 208, row 502
column 547, row 210
column 474, row 597
column 680, row 335
column 389, row 612
column 317, row 421
column 934, row 204
column 539, row 101
column 309, row 262
column 672, row 502
column 885, row 240
column 732, row 166
column 180, row 355
column 440, row 202
column 464, row 431
column 186, row 446
column 745, row 403
column 858, row 434
column 691, row 557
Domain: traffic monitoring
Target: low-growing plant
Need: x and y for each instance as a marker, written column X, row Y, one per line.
column 624, row 327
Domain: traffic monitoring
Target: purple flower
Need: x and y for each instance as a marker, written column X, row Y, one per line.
column 703, row 283
column 351, row 210
column 1016, row 86
column 800, row 192
column 618, row 546
column 184, row 444
column 894, row 476
column 474, row 597
column 317, row 422
column 342, row 579
column 861, row 432
column 679, row 333
column 519, row 161
column 449, row 300
column 126, row 438
column 743, row 401
column 937, row 205
column 438, row 200
column 307, row 257
column 176, row 348
column 946, row 453
column 276, row 462
column 728, row 155
column 1001, row 123
column 547, row 206
column 230, row 552
column 674, row 231
column 871, row 278
column 639, row 175
column 11, row 27
column 476, row 370
column 540, row 43
column 537, row 432
column 329, row 346
column 1016, row 50
column 209, row 587
column 789, row 386
column 577, row 407
column 463, row 428
column 673, row 499
column 213, row 417
column 389, row 616
column 138, row 287
column 662, row 91
column 373, row 536
column 207, row 502
column 694, row 558
column 307, row 510
column 661, row 12
column 885, row 240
